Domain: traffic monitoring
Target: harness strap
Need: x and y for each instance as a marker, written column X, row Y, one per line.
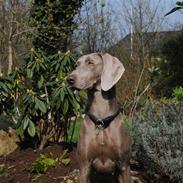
column 102, row 123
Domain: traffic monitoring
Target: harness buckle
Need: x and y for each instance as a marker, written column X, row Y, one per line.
column 99, row 124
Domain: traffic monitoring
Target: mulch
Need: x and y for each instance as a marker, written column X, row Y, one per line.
column 18, row 162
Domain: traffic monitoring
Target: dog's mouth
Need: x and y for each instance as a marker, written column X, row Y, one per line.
column 75, row 87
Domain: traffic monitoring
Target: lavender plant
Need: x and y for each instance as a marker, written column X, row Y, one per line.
column 157, row 133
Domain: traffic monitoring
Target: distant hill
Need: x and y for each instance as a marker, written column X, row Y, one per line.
column 127, row 50
column 151, row 41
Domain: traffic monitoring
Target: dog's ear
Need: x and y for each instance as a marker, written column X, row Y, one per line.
column 112, row 71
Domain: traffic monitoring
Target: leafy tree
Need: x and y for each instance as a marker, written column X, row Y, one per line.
column 54, row 23
column 172, row 66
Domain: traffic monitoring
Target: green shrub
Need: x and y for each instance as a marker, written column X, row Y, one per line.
column 178, row 93
column 171, row 66
column 41, row 165
column 158, row 140
column 38, row 98
column 45, row 161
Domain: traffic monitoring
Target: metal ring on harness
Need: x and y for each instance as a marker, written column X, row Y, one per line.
column 99, row 124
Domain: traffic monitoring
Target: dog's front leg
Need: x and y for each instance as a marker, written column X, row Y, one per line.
column 84, row 173
column 125, row 176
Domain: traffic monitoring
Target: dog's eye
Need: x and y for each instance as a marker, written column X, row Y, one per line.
column 90, row 62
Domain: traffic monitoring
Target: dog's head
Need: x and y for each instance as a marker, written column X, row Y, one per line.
column 96, row 68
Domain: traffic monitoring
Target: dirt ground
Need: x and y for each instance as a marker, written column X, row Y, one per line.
column 18, row 162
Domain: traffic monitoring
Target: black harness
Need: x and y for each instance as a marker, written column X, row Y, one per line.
column 102, row 123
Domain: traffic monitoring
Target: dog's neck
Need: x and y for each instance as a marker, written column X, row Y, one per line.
column 102, row 103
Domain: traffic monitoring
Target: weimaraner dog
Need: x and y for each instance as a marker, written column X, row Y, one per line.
column 104, row 147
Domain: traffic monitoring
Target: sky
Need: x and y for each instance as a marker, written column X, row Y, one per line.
column 170, row 22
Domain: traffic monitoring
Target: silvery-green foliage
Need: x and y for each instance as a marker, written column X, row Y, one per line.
column 157, row 133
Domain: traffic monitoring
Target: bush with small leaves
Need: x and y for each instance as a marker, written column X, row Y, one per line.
column 157, row 133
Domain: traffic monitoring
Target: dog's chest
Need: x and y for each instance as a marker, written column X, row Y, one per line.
column 102, row 143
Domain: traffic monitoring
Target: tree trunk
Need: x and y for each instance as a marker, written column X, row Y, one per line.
column 0, row 69
column 10, row 56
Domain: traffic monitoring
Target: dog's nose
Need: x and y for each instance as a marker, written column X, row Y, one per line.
column 70, row 79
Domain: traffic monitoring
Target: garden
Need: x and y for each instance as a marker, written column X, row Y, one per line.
column 40, row 114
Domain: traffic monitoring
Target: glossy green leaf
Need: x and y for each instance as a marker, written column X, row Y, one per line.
column 41, row 81
column 40, row 105
column 25, row 122
column 66, row 161
column 66, row 106
column 31, row 129
column 4, row 86
column 20, row 130
column 83, row 94
column 62, row 94
column 29, row 73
